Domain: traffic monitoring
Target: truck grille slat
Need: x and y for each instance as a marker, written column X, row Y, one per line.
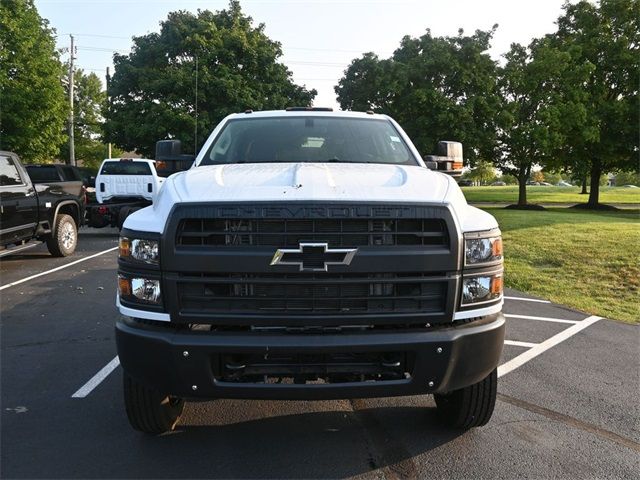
column 289, row 233
column 328, row 293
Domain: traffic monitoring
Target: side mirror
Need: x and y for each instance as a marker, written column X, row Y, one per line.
column 168, row 149
column 449, row 159
column 170, row 159
column 431, row 162
column 91, row 181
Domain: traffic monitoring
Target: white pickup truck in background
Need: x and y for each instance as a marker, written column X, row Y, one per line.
column 127, row 178
column 123, row 186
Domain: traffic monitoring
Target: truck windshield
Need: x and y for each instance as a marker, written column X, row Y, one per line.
column 308, row 139
column 125, row 168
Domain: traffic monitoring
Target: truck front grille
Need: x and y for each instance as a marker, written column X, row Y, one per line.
column 311, row 293
column 290, row 232
column 218, row 264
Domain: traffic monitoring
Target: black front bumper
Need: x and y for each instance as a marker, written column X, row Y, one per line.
column 175, row 361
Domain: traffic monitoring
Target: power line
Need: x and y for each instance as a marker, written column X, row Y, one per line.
column 292, row 62
column 309, row 49
column 91, row 69
column 333, row 50
column 102, row 49
column 96, row 35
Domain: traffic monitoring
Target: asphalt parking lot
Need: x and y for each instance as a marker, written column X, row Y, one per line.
column 567, row 407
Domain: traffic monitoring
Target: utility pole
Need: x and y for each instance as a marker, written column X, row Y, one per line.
column 72, row 153
column 195, row 135
column 108, row 108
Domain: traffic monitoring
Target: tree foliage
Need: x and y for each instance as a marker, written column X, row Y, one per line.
column 607, row 37
column 32, row 101
column 437, row 88
column 153, row 90
column 628, row 178
column 509, row 179
column 483, row 172
column 537, row 107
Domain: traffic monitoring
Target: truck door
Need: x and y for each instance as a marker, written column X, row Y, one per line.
column 18, row 202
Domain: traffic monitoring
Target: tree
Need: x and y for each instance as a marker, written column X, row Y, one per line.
column 437, row 88
column 483, row 173
column 627, row 178
column 33, row 105
column 153, row 90
column 536, row 107
column 551, row 177
column 509, row 179
column 606, row 36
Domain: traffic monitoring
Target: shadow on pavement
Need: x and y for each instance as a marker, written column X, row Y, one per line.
column 307, row 445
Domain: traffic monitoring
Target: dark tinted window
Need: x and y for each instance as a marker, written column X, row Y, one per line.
column 125, row 168
column 43, row 174
column 309, row 139
column 8, row 172
column 70, row 174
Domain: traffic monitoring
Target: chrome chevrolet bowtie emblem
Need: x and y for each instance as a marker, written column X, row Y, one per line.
column 313, row 257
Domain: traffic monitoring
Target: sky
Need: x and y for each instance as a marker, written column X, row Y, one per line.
column 319, row 37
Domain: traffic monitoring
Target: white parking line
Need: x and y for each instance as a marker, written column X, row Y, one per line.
column 18, row 282
column 516, row 343
column 530, row 354
column 88, row 387
column 526, row 299
column 18, row 249
column 541, row 319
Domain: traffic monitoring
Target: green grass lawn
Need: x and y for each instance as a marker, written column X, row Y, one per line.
column 586, row 260
column 537, row 194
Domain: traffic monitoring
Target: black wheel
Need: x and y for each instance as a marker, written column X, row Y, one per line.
column 64, row 238
column 150, row 411
column 123, row 213
column 471, row 406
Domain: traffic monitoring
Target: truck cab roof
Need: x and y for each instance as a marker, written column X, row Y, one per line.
column 307, row 112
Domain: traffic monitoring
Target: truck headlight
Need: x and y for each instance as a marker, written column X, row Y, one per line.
column 141, row 290
column 482, row 248
column 141, row 250
column 481, row 288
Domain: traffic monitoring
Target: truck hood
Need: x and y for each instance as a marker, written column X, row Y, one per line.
column 318, row 182
column 310, row 181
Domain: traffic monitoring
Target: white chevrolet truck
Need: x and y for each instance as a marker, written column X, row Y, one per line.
column 309, row 254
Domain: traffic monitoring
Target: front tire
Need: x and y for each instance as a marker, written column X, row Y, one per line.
column 63, row 240
column 148, row 410
column 471, row 406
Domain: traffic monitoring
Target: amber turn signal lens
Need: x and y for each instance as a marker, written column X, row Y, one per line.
column 124, row 286
column 125, row 247
column 496, row 285
column 497, row 247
